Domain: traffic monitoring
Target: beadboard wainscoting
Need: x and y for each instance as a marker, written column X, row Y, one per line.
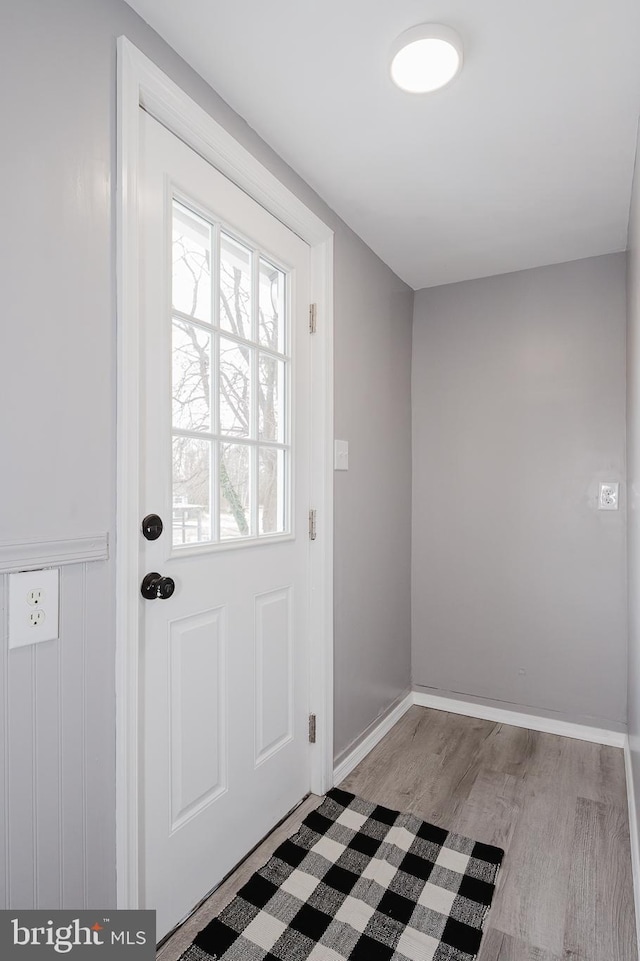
column 58, row 770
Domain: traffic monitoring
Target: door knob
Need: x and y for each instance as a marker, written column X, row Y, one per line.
column 154, row 586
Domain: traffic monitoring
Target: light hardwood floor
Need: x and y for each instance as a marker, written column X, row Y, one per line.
column 557, row 806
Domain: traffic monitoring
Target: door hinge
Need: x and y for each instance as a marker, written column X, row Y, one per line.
column 312, row 525
column 313, row 315
column 312, row 729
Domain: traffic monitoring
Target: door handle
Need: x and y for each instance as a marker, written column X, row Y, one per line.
column 154, row 585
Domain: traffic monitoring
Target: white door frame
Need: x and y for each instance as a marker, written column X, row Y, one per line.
column 142, row 83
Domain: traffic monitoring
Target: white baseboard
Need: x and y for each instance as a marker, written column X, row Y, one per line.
column 374, row 737
column 633, row 835
column 546, row 725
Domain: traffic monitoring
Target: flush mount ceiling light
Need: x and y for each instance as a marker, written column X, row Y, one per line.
column 426, row 58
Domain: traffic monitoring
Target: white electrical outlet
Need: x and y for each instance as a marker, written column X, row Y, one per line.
column 608, row 496
column 33, row 607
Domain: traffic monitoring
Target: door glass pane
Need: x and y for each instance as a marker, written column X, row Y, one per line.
column 235, row 388
column 271, row 398
column 271, row 493
column 191, row 250
column 235, row 490
column 230, row 381
column 235, row 287
column 191, row 491
column 191, row 363
column 271, row 307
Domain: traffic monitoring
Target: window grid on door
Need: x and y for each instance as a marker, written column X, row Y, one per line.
column 231, row 369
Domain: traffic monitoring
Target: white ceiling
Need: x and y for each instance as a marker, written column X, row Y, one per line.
column 526, row 159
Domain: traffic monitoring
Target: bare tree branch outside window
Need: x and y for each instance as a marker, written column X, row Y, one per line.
column 242, row 368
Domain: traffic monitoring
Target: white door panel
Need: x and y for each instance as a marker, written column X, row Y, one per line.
column 225, row 455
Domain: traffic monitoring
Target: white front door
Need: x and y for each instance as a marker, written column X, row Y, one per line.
column 225, row 460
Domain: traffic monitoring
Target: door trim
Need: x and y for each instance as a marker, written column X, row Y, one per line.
column 142, row 84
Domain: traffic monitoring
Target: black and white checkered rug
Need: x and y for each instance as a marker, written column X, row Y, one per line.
column 360, row 882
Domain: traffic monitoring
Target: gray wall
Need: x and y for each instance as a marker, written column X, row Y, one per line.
column 57, row 370
column 519, row 583
column 633, row 481
column 372, row 593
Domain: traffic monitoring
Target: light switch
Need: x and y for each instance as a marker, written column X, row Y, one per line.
column 341, row 455
column 33, row 607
